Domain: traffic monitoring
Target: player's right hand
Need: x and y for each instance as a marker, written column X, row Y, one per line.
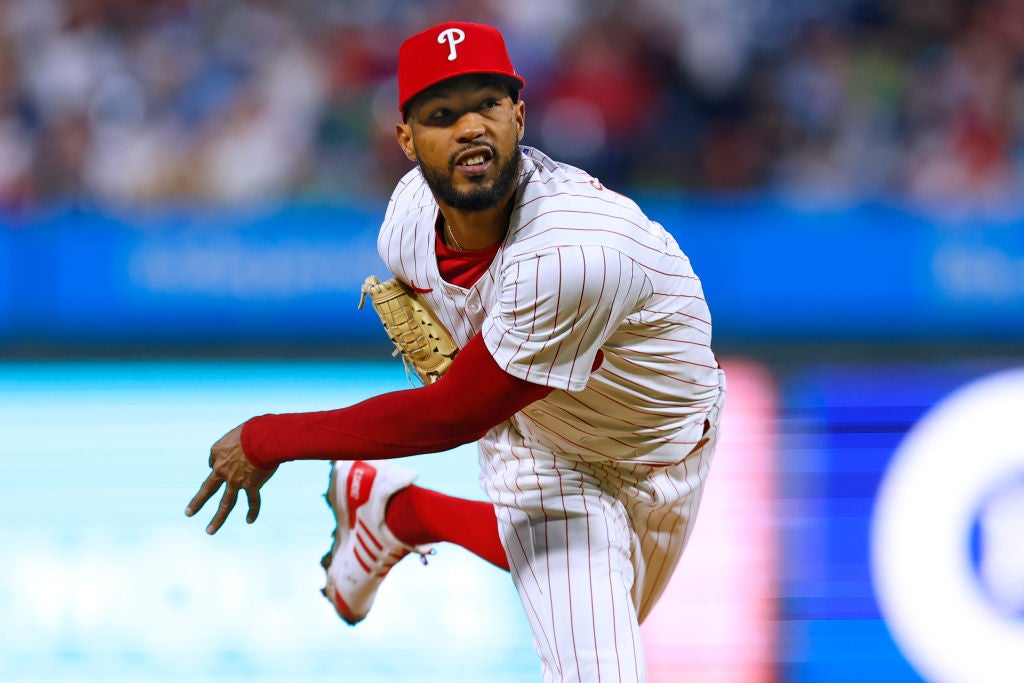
column 230, row 467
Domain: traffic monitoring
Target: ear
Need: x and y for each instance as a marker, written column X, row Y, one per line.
column 403, row 131
column 519, row 113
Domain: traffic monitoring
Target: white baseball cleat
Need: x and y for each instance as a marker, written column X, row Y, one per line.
column 364, row 549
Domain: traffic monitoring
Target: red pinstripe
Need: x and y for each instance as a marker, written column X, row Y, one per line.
column 611, row 589
column 558, row 307
column 659, row 573
column 537, row 235
column 666, row 375
column 634, row 333
column 590, row 577
column 682, row 314
column 547, row 558
column 674, row 357
column 568, row 573
column 625, row 406
column 574, row 195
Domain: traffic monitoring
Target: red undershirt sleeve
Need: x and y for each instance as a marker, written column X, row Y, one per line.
column 473, row 396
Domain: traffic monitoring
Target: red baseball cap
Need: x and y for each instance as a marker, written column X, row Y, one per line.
column 454, row 48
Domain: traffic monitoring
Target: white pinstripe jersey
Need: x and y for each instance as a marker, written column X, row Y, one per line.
column 581, row 268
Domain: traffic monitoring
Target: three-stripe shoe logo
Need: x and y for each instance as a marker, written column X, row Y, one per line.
column 367, row 549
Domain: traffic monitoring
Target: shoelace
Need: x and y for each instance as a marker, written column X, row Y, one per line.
column 423, row 556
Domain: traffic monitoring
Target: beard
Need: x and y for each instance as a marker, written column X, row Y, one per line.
column 484, row 195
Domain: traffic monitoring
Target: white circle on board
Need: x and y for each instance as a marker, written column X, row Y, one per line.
column 939, row 482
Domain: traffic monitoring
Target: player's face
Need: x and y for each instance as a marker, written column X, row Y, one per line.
column 465, row 136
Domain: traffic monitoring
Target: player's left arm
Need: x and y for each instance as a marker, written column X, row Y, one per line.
column 458, row 408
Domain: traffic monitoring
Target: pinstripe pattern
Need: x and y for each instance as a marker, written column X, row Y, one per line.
column 596, row 486
column 591, row 546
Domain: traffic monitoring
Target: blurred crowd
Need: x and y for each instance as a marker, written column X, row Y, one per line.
column 253, row 101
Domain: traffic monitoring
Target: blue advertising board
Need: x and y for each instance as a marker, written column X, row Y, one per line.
column 871, row 272
column 292, row 274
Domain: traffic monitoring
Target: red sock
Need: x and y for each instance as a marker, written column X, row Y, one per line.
column 416, row 516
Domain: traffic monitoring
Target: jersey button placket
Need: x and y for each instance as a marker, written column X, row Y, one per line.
column 474, row 309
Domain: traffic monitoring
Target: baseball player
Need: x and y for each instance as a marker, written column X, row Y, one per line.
column 584, row 372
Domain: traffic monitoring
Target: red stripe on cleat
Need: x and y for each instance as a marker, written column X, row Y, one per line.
column 364, row 565
column 366, row 548
column 343, row 609
column 369, row 534
column 358, row 487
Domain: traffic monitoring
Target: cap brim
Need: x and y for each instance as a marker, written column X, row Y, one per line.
column 516, row 82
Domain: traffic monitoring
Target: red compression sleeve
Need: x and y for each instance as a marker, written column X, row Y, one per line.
column 473, row 396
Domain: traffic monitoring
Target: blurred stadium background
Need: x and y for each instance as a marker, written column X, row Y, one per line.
column 189, row 194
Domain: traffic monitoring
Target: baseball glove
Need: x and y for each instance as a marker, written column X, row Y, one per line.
column 426, row 347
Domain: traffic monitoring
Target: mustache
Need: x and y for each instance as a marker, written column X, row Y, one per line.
column 465, row 148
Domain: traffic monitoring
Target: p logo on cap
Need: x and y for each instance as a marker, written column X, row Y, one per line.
column 453, row 36
column 448, row 50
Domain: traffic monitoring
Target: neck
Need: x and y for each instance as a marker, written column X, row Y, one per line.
column 479, row 229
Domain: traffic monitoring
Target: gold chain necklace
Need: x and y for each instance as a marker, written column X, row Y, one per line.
column 451, row 234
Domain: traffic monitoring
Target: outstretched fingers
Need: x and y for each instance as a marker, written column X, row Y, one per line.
column 232, row 470
column 206, row 491
column 254, row 505
column 227, row 503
